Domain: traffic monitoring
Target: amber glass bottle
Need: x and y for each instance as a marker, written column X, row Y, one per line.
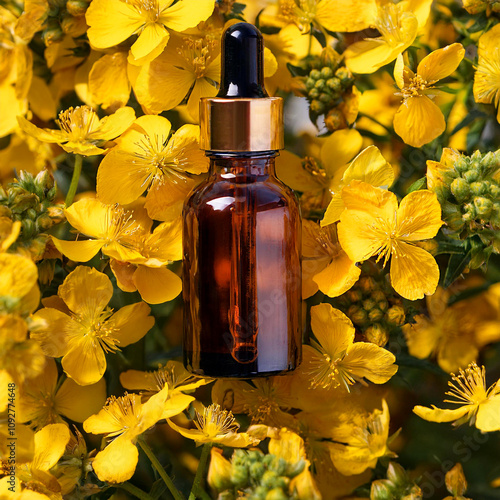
column 241, row 275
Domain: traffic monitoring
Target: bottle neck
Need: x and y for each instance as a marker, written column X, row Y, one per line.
column 243, row 167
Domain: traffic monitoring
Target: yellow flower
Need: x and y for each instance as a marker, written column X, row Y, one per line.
column 174, row 376
column 81, row 130
column 454, row 334
column 333, row 359
column 216, row 425
column 372, row 224
column 361, row 443
column 111, row 226
column 369, row 166
column 487, row 77
column 477, row 405
column 113, row 21
column 264, row 400
column 398, row 25
column 419, row 120
column 79, row 326
column 325, row 265
column 45, row 399
column 456, row 484
column 123, row 420
column 148, row 158
column 186, row 63
column 50, row 443
column 333, row 15
column 18, row 493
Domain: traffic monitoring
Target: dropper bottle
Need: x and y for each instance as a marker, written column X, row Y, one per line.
column 241, row 238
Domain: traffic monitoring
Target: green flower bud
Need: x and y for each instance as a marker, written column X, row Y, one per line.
column 277, row 494
column 478, row 188
column 31, row 214
column 56, row 213
column 367, row 284
column 452, row 215
column 28, row 229
column 469, row 212
column 381, row 490
column 378, row 296
column 256, row 470
column 315, row 74
column 344, row 75
column 239, row 475
column 483, row 206
column 51, row 35
column 354, row 295
column 326, row 72
column 314, row 94
column 334, row 84
column 269, row 478
column 377, row 334
column 396, row 315
column 259, row 493
column 317, row 107
column 460, row 189
column 471, row 175
column 44, row 222
column 462, row 164
column 330, row 57
column 326, row 98
column 334, row 120
column 310, row 83
column 368, row 304
column 296, row 468
column 357, row 315
column 320, row 84
column 77, row 7
column 375, row 315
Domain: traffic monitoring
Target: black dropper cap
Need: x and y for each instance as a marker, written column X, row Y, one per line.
column 242, row 72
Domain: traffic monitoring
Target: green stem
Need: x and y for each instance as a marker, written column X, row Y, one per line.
column 134, row 490
column 74, row 180
column 197, row 489
column 159, row 468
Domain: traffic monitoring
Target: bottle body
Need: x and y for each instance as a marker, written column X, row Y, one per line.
column 242, row 272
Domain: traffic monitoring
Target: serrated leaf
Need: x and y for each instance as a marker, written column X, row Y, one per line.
column 419, row 184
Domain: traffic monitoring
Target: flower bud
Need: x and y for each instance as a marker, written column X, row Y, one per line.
column 313, row 94
column 325, row 98
column 354, row 295
column 52, row 34
column 317, row 107
column 357, row 315
column 368, row 304
column 46, row 270
column 376, row 334
column 329, row 57
column 375, row 315
column 277, row 494
column 269, row 478
column 334, row 84
column 396, row 315
column 310, row 83
column 77, row 7
column 315, row 74
column 471, row 175
column 460, row 189
column 367, row 284
column 334, row 120
column 326, row 72
column 483, row 206
column 478, row 188
column 344, row 75
column 320, row 84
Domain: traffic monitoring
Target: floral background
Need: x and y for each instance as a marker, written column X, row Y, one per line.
column 392, row 130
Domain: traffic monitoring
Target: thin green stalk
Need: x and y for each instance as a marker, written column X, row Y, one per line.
column 197, row 489
column 134, row 490
column 159, row 468
column 74, row 180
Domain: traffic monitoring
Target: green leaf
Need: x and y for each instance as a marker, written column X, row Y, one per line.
column 405, row 359
column 297, row 70
column 471, row 116
column 420, row 184
column 456, row 265
column 450, row 246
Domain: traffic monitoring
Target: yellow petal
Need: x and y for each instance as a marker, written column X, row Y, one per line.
column 50, row 331
column 187, row 14
column 111, row 22
column 202, row 88
column 105, row 422
column 399, row 69
column 85, row 290
column 41, row 99
column 370, row 167
column 85, row 363
column 332, row 328
column 108, row 81
column 157, row 285
column 486, row 88
column 136, row 380
column 117, row 462
column 290, row 171
column 419, row 8
column 120, row 252
column 18, row 274
column 419, row 121
column 165, row 244
column 78, row 402
column 176, row 404
column 367, row 56
column 50, row 443
column 338, row 277
column 185, row 146
column 421, row 337
column 112, row 126
column 441, row 63
column 419, row 216
column 150, row 44
column 161, row 86
column 339, row 149
column 488, row 415
column 439, row 415
column 132, row 322
column 414, row 272
column 367, row 360
column 44, row 135
column 79, row 251
column 344, row 15
column 270, row 63
column 124, row 273
column 89, row 216
column 456, row 352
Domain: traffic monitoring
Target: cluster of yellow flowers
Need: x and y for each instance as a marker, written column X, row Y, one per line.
column 397, row 170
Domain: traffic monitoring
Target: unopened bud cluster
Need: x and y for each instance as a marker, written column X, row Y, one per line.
column 470, row 199
column 326, row 86
column 64, row 17
column 255, row 476
column 30, row 200
column 372, row 305
column 397, row 485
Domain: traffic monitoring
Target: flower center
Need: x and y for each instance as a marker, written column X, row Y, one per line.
column 148, row 9
column 125, row 411
column 388, row 23
column 302, row 14
column 78, row 122
column 468, row 387
column 216, row 421
column 198, row 53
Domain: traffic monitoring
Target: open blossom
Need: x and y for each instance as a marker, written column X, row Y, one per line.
column 419, row 119
column 372, row 224
column 113, row 21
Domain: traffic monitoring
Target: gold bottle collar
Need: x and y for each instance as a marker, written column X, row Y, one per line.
column 241, row 124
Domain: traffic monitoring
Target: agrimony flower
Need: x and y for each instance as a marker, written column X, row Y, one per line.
column 487, row 76
column 81, row 130
column 113, row 21
column 334, row 360
column 46, row 399
column 79, row 326
column 419, row 120
column 372, row 224
column 123, row 420
column 477, row 405
column 325, row 265
column 398, row 25
column 174, row 376
column 216, row 425
column 148, row 157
